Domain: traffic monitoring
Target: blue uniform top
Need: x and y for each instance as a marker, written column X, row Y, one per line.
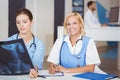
column 72, row 61
column 36, row 53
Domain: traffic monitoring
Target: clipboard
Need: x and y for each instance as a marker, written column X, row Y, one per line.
column 47, row 74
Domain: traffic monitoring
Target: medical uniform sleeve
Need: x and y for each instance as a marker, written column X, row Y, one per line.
column 38, row 57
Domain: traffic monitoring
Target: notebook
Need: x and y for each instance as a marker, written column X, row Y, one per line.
column 96, row 76
column 14, row 58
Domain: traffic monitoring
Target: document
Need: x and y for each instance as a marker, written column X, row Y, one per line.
column 46, row 73
column 96, row 76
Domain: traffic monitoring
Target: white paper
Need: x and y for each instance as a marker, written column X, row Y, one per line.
column 46, row 73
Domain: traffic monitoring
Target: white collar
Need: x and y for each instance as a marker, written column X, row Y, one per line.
column 66, row 39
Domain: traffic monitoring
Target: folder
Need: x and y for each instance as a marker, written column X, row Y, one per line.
column 95, row 76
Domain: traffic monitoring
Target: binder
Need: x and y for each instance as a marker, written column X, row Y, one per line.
column 96, row 76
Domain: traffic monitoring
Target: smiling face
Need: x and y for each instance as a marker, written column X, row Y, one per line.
column 23, row 23
column 73, row 26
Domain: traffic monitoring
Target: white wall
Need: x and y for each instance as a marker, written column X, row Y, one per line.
column 119, row 2
column 68, row 7
column 43, row 11
column 3, row 19
column 114, row 3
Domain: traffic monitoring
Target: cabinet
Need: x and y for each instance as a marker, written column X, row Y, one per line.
column 78, row 6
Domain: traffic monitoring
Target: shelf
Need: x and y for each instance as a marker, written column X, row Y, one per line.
column 78, row 6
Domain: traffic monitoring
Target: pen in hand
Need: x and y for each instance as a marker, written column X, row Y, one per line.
column 55, row 67
column 36, row 69
column 41, row 76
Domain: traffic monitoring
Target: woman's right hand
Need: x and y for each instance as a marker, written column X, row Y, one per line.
column 33, row 73
column 52, row 68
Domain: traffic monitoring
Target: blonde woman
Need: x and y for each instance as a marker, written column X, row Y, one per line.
column 75, row 52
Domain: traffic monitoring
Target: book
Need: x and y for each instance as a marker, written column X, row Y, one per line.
column 95, row 76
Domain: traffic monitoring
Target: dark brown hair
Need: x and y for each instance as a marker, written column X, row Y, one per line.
column 90, row 3
column 26, row 12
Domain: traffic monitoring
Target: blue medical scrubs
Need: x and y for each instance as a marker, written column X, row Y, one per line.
column 36, row 53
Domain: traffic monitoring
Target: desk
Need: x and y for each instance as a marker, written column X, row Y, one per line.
column 105, row 34
column 27, row 77
column 101, row 34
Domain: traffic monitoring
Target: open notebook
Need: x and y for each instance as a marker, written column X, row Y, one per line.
column 14, row 58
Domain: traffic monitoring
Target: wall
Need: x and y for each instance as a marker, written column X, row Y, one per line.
column 115, row 3
column 68, row 6
column 3, row 19
column 119, row 2
column 43, row 27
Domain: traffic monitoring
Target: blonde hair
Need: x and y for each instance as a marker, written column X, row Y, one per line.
column 78, row 16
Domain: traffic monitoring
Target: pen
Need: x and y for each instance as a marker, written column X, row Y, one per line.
column 41, row 76
column 111, row 77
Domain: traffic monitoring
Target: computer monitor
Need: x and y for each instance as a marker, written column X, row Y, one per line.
column 14, row 58
column 114, row 15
